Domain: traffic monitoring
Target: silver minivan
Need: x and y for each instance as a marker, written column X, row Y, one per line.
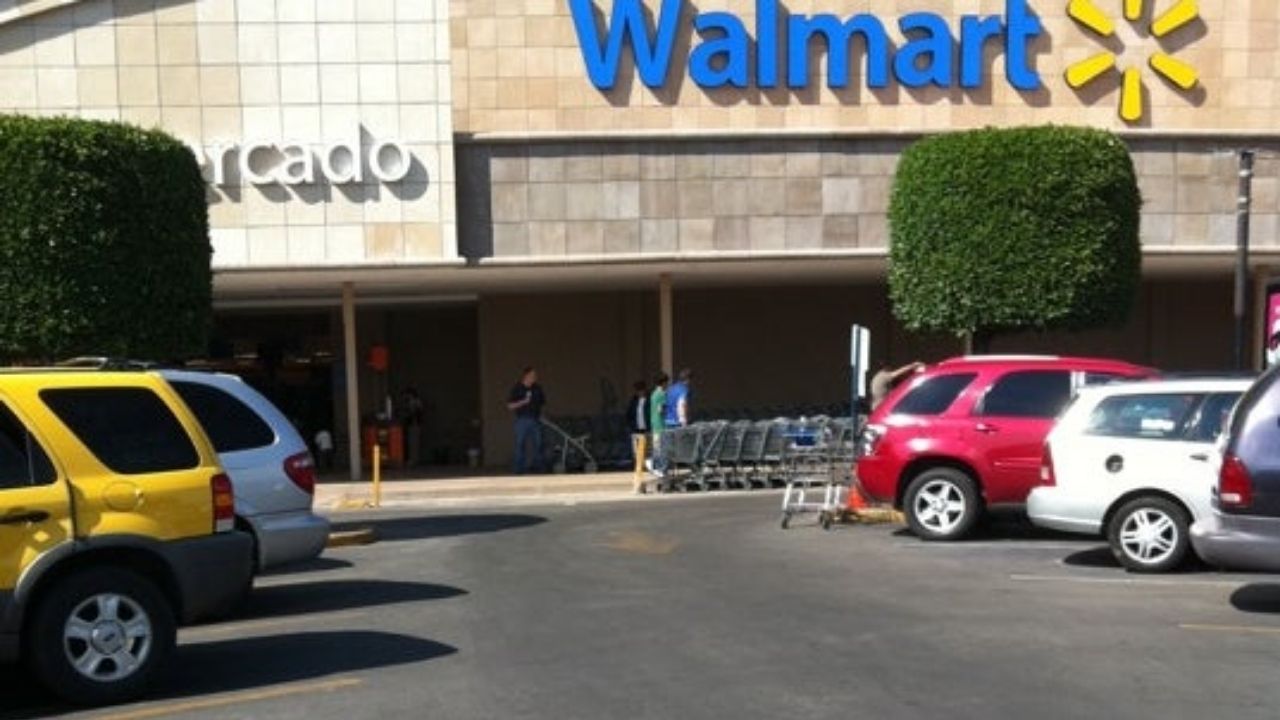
column 269, row 463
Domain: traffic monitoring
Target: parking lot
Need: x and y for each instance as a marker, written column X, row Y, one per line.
column 701, row 607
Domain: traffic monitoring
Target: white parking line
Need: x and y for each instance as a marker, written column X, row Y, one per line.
column 1150, row 582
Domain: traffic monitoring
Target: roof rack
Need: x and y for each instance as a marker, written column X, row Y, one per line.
column 102, row 362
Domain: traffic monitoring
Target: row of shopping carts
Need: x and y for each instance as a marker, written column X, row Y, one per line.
column 784, row 452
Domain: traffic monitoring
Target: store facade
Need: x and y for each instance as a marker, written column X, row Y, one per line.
column 606, row 188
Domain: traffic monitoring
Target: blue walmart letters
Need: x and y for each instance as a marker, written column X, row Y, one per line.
column 723, row 55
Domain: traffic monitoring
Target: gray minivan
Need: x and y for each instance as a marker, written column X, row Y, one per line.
column 269, row 463
column 1243, row 532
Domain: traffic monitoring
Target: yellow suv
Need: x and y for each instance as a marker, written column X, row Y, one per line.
column 116, row 525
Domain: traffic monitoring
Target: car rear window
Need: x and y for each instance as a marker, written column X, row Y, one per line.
column 934, row 395
column 1211, row 420
column 130, row 430
column 1028, row 394
column 231, row 425
column 23, row 463
column 1154, row 417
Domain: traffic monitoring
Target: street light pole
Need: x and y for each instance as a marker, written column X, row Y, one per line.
column 1244, row 201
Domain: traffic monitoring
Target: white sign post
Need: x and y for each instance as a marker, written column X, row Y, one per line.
column 859, row 365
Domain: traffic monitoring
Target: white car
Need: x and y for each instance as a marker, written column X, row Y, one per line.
column 271, row 468
column 1134, row 462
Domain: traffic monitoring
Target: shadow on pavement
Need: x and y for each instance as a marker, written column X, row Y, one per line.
column 247, row 664
column 1006, row 525
column 1099, row 557
column 327, row 596
column 1102, row 557
column 320, row 564
column 20, row 697
column 1263, row 598
column 436, row 526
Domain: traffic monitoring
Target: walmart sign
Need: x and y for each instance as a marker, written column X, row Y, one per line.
column 934, row 52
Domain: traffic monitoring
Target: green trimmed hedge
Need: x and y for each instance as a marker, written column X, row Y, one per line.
column 104, row 242
column 1000, row 230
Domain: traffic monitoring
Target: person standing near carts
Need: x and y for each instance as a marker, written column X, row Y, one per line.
column 657, row 423
column 638, row 424
column 526, row 401
column 677, row 410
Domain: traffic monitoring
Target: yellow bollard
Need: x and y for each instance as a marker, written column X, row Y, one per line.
column 377, row 475
column 639, row 444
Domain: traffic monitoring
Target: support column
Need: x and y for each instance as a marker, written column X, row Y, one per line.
column 351, row 363
column 1261, row 333
column 666, row 341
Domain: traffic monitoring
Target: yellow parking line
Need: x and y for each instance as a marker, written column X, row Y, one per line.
column 169, row 709
column 1252, row 629
column 267, row 624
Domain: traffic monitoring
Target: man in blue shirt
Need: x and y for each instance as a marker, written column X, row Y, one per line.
column 677, row 410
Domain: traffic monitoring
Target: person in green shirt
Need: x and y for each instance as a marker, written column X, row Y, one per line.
column 657, row 411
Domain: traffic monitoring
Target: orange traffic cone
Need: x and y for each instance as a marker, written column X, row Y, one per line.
column 857, row 501
column 859, row 508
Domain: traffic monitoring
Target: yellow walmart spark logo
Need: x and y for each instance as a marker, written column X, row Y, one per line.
column 1181, row 74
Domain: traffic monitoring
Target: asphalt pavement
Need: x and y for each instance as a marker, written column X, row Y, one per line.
column 701, row 607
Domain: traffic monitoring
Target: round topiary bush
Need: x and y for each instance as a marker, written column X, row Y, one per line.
column 104, row 242
column 998, row 230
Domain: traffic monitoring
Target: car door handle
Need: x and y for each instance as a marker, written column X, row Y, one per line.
column 22, row 517
column 1200, row 457
column 986, row 429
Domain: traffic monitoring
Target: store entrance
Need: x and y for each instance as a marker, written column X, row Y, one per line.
column 288, row 357
column 295, row 358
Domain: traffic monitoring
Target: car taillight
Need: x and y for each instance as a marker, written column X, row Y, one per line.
column 869, row 440
column 301, row 469
column 224, row 503
column 1047, row 476
column 1235, row 487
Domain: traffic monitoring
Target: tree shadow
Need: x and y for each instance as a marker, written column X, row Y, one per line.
column 423, row 528
column 276, row 601
column 242, row 664
column 1261, row 598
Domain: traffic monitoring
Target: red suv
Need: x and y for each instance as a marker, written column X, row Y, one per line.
column 969, row 433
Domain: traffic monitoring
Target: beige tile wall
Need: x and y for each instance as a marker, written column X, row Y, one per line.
column 518, row 68
column 561, row 199
column 224, row 71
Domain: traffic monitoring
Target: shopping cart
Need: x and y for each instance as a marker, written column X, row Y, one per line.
column 819, row 472
column 566, row 450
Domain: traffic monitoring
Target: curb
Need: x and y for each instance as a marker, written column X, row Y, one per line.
column 874, row 516
column 350, row 538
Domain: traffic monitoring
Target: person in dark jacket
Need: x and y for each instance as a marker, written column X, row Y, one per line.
column 638, row 424
column 638, row 409
column 525, row 402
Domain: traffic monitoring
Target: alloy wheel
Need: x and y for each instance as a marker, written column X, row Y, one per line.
column 940, row 506
column 107, row 637
column 1148, row 535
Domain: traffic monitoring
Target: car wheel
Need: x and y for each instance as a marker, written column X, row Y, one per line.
column 942, row 504
column 1149, row 534
column 99, row 636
